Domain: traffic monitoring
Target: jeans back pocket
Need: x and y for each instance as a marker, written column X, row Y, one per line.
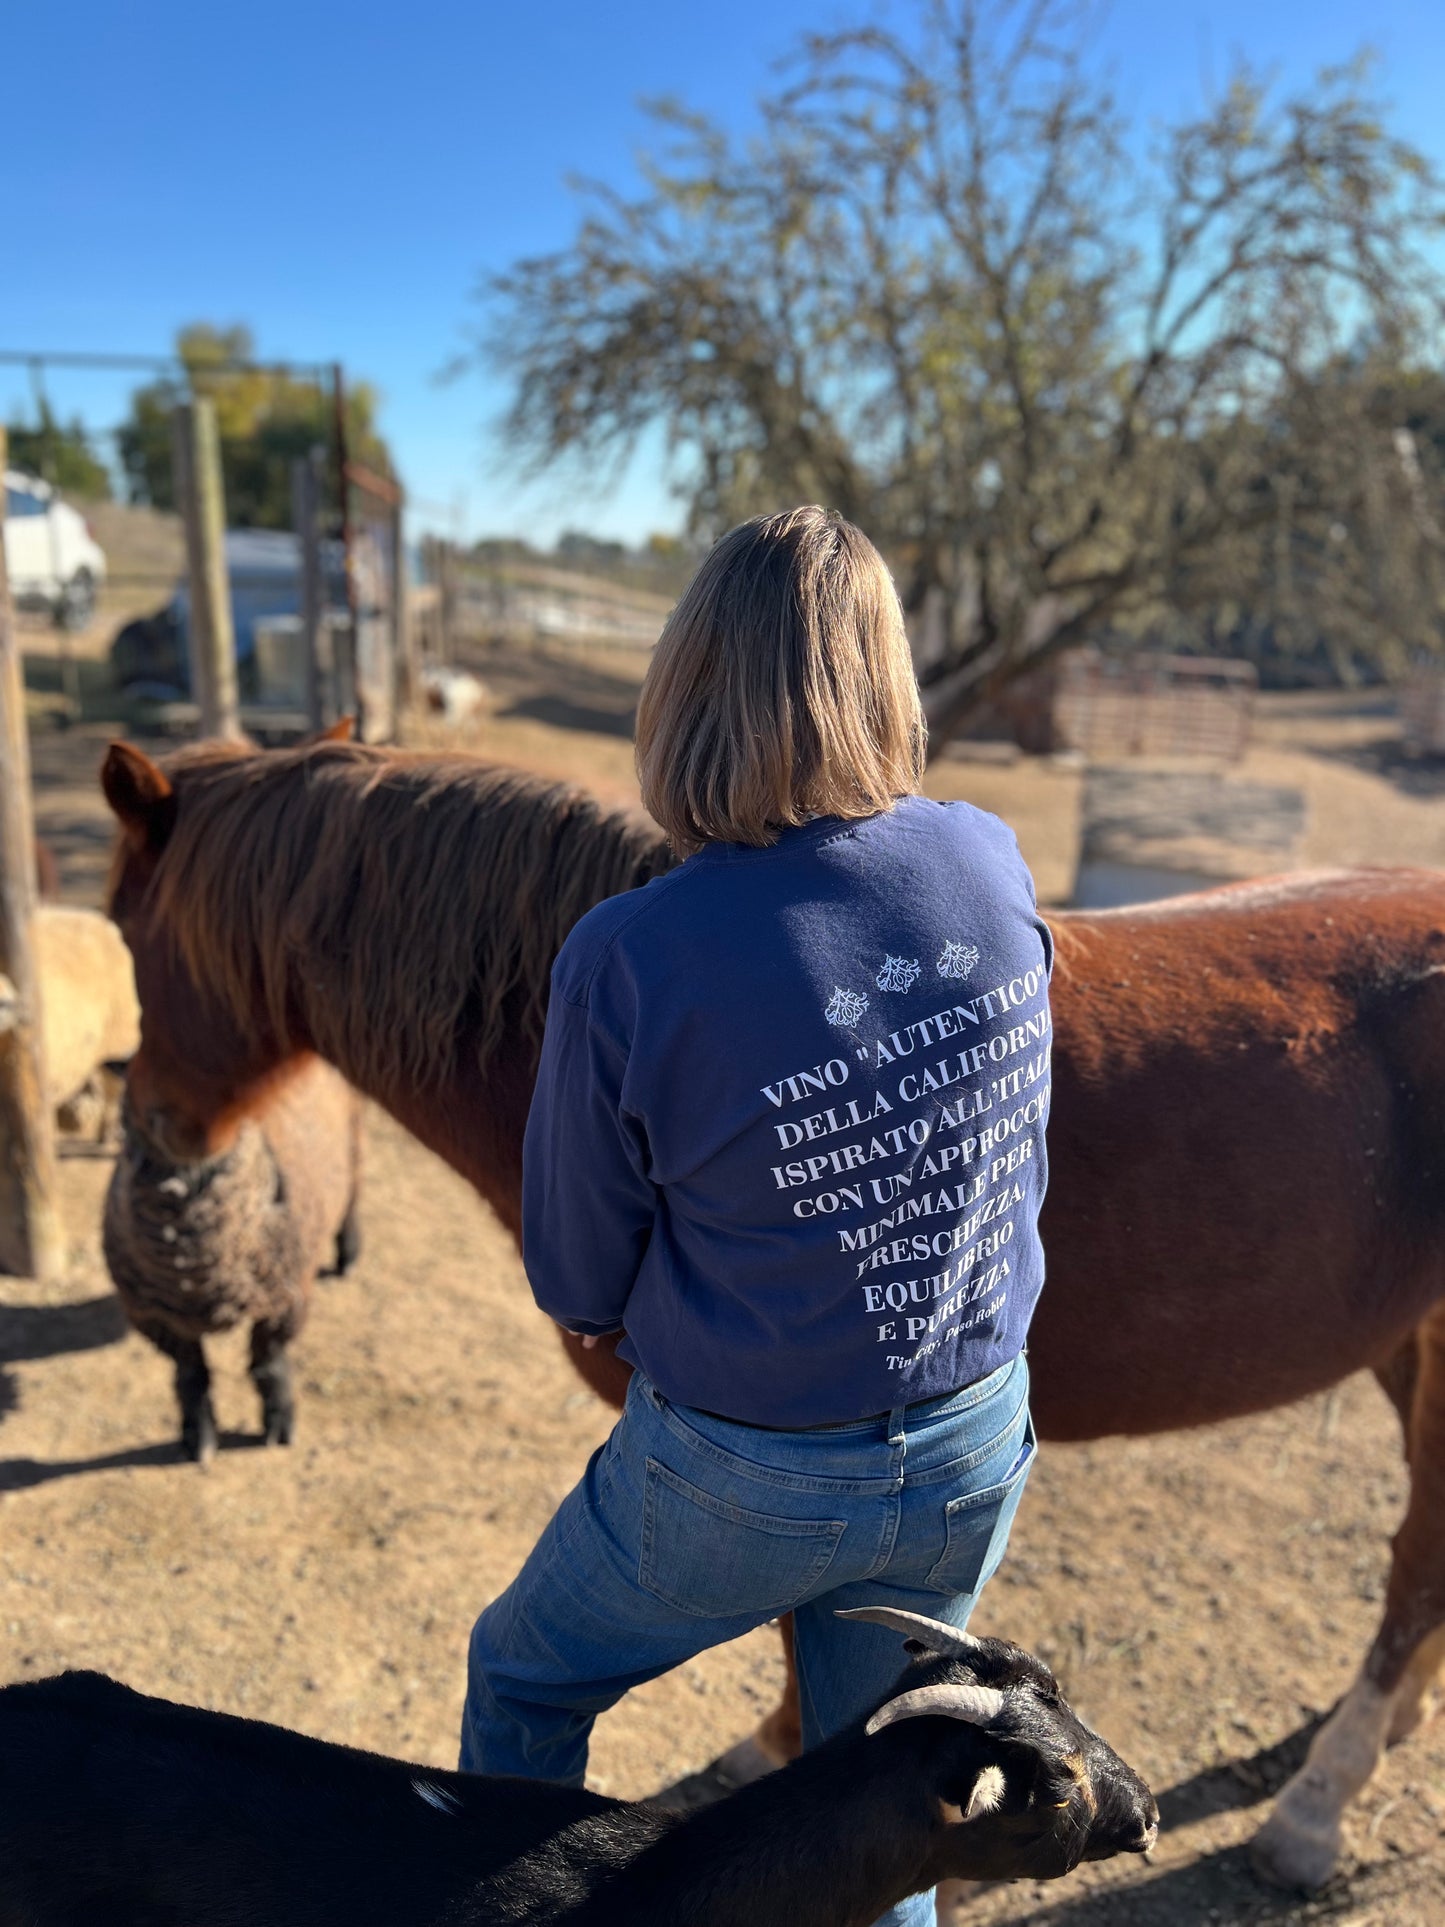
column 712, row 1558
column 978, row 1526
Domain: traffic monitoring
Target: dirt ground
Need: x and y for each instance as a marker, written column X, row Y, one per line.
column 1205, row 1597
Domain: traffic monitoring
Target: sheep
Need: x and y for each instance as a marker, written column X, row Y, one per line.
column 89, row 1015
column 453, row 695
column 131, row 1810
column 197, row 1244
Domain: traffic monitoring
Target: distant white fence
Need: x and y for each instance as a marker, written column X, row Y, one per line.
column 1152, row 705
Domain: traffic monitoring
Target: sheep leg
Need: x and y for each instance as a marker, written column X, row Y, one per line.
column 271, row 1375
column 348, row 1240
column 193, row 1387
column 198, row 1418
column 1299, row 1843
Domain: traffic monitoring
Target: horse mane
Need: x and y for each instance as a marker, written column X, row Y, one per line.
column 425, row 895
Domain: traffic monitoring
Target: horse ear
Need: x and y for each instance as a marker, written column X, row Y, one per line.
column 140, row 793
column 339, row 732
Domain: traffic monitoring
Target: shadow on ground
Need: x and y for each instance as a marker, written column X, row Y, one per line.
column 560, row 690
column 1221, row 1887
column 1387, row 758
column 19, row 1475
column 28, row 1332
column 45, row 1331
column 562, row 713
column 1238, row 1783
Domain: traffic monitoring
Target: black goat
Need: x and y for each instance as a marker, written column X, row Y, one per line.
column 137, row 1813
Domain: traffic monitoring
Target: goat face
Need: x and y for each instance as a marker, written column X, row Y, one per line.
column 1024, row 1789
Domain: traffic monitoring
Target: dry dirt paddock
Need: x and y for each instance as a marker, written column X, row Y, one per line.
column 1205, row 1597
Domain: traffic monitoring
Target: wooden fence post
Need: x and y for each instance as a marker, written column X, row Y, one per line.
column 30, row 1237
column 348, row 673
column 447, row 577
column 403, row 638
column 197, row 453
column 306, row 515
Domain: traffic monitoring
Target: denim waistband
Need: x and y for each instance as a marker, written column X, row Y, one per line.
column 917, row 1409
column 942, row 1438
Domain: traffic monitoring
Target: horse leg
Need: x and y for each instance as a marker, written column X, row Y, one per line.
column 780, row 1737
column 776, row 1741
column 271, row 1375
column 1414, row 1697
column 1299, row 1843
column 1397, row 1378
column 1417, row 1696
column 193, row 1387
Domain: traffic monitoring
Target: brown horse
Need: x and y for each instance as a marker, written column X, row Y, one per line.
column 1248, row 1134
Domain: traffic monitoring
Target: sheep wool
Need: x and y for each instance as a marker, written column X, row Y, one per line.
column 199, row 1247
column 88, row 1009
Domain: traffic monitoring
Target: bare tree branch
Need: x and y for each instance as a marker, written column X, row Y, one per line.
column 1066, row 389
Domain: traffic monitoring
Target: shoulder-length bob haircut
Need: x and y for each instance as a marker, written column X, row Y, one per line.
column 781, row 688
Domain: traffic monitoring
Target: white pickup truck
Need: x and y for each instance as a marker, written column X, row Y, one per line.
column 52, row 559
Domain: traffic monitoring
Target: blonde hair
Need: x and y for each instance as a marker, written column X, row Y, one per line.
column 781, row 688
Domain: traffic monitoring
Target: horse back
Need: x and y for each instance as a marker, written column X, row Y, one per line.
column 1246, row 1142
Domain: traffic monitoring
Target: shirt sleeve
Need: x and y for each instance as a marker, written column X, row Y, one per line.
column 588, row 1206
column 1046, row 936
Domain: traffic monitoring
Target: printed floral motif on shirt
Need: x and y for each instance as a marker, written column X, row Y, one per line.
column 898, row 973
column 845, row 1006
column 957, row 960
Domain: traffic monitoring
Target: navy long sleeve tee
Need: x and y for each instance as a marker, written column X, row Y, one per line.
column 788, row 1131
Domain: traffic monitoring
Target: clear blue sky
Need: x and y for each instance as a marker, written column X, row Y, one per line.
column 338, row 177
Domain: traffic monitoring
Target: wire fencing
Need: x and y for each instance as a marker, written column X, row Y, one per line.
column 274, row 422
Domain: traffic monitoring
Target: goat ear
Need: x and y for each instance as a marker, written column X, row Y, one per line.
column 140, row 794
column 339, row 732
column 986, row 1797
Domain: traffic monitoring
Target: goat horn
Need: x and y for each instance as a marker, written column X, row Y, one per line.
column 947, row 1641
column 979, row 1705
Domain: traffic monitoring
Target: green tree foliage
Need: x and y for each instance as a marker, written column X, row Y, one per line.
column 1072, row 384
column 1344, row 559
column 267, row 419
column 661, row 565
column 58, row 455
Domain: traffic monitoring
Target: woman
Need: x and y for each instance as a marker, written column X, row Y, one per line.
column 788, row 1137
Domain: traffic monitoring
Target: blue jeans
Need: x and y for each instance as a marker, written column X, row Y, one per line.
column 688, row 1530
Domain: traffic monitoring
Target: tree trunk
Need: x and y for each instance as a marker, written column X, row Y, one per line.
column 956, row 696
